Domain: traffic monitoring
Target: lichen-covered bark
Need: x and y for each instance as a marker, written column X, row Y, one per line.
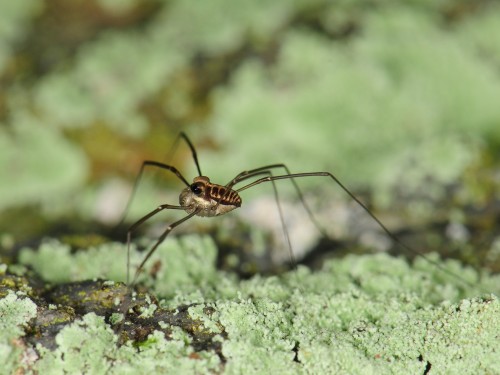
column 360, row 312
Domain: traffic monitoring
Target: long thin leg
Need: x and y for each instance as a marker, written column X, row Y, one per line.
column 282, row 220
column 134, row 226
column 183, row 135
column 384, row 228
column 249, row 174
column 159, row 241
column 145, row 164
column 193, row 151
column 150, row 252
column 167, row 166
column 253, row 172
column 266, row 170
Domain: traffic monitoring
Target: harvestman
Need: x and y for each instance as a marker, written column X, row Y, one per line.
column 206, row 199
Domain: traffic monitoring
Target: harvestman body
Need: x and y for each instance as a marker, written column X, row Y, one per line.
column 206, row 199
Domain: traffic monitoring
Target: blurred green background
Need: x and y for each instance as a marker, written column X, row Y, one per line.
column 399, row 101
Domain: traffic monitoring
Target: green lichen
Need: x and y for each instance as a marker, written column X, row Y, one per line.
column 188, row 261
column 80, row 96
column 84, row 346
column 17, row 16
column 481, row 32
column 37, row 164
column 55, row 263
column 361, row 312
column 424, row 115
column 15, row 313
column 90, row 346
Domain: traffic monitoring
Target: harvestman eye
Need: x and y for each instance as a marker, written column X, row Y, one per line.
column 196, row 189
column 221, row 199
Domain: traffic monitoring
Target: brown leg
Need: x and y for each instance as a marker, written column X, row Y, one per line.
column 159, row 241
column 134, row 226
